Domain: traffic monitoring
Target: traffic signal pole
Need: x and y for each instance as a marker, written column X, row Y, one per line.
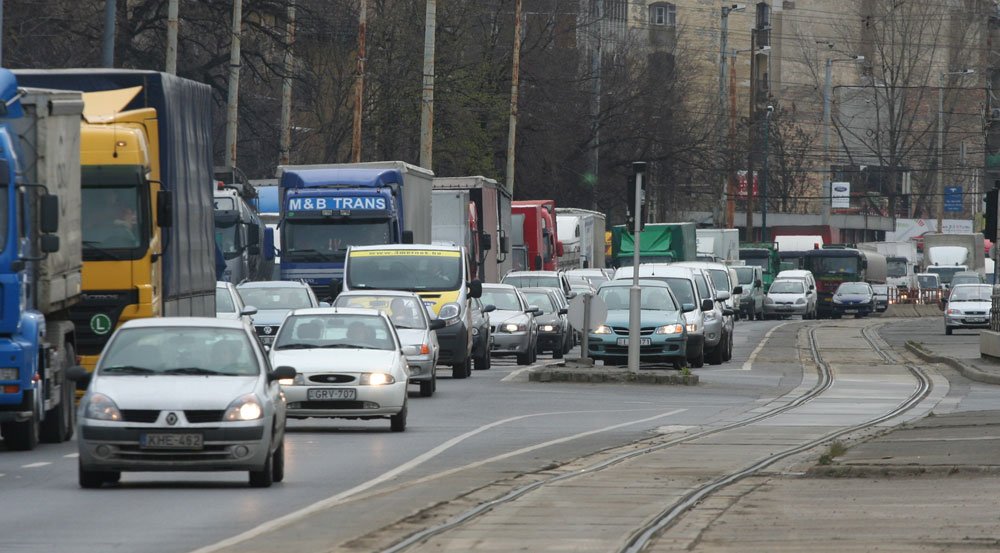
column 635, row 293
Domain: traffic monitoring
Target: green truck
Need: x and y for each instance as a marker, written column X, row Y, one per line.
column 658, row 243
column 765, row 256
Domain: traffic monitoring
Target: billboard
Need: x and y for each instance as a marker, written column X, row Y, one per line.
column 840, row 195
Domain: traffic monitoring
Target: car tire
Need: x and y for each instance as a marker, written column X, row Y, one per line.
column 91, row 479
column 278, row 463
column 265, row 477
column 483, row 363
column 698, row 362
column 427, row 387
column 947, row 330
column 524, row 358
column 714, row 357
column 397, row 422
column 23, row 436
column 461, row 370
column 558, row 352
column 728, row 355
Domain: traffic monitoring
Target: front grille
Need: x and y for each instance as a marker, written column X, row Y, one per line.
column 975, row 313
column 266, row 330
column 331, row 378
column 209, row 453
column 140, row 415
column 331, row 405
column 623, row 350
column 644, row 331
column 96, row 315
column 204, row 415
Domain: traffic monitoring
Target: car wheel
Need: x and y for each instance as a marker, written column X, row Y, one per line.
column 524, row 358
column 90, row 479
column 947, row 330
column 427, row 387
column 728, row 355
column 264, row 477
column 397, row 422
column 461, row 370
column 714, row 357
column 278, row 463
column 558, row 352
column 483, row 362
column 698, row 362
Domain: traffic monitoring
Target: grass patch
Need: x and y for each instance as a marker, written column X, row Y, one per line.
column 837, row 448
column 685, row 371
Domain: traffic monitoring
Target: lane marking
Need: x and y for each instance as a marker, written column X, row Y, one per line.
column 753, row 355
column 71, row 455
column 341, row 497
column 36, row 465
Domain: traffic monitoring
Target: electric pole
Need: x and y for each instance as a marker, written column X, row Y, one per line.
column 232, row 106
column 285, row 144
column 596, row 68
column 359, row 83
column 108, row 46
column 427, row 100
column 514, row 83
column 171, row 65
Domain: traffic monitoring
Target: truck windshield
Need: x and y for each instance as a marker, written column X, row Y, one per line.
column 835, row 265
column 927, row 281
column 313, row 240
column 423, row 270
column 896, row 268
column 228, row 238
column 116, row 221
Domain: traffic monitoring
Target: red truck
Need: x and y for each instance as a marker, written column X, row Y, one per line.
column 536, row 247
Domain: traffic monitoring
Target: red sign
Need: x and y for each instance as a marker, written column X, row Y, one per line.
column 741, row 184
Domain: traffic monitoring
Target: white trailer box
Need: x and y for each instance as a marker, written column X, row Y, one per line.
column 584, row 230
column 492, row 202
column 720, row 245
column 947, row 254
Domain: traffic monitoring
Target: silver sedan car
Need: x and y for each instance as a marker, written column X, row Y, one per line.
column 413, row 324
column 515, row 331
column 182, row 393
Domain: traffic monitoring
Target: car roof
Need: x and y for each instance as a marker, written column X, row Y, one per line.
column 660, row 269
column 970, row 285
column 393, row 293
column 532, row 273
column 414, row 247
column 336, row 311
column 546, row 289
column 620, row 283
column 273, row 284
column 498, row 286
column 703, row 265
column 182, row 322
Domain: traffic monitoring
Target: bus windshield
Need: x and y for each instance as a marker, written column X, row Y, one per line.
column 419, row 270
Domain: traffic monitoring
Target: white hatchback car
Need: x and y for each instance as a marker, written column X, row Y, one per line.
column 229, row 304
column 350, row 364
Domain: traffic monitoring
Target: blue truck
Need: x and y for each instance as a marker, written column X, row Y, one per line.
column 327, row 208
column 40, row 260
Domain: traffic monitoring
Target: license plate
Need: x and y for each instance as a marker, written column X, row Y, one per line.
column 171, row 441
column 642, row 341
column 976, row 320
column 331, row 393
column 850, row 311
column 785, row 307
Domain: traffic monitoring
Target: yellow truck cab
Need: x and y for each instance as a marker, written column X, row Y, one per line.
column 438, row 274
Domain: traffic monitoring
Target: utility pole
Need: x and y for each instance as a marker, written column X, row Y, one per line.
column 514, row 83
column 725, row 181
column 596, row 68
column 635, row 292
column 940, row 144
column 232, row 111
column 359, row 83
column 731, row 188
column 285, row 145
column 172, row 9
column 108, row 47
column 764, row 175
column 753, row 129
column 427, row 101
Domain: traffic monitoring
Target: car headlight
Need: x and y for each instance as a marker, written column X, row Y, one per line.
column 376, row 379
column 299, row 380
column 450, row 313
column 9, row 373
column 768, row 301
column 513, row 327
column 954, row 311
column 549, row 328
column 670, row 329
column 800, row 301
column 101, row 407
column 603, row 329
column 836, row 299
column 691, row 327
column 244, row 408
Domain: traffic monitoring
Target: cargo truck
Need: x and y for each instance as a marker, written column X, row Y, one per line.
column 658, row 243
column 246, row 243
column 40, row 261
column 266, row 204
column 582, row 230
column 535, row 243
column 947, row 254
column 146, row 152
column 718, row 245
column 832, row 266
column 901, row 264
column 765, row 256
column 325, row 209
column 454, row 222
column 492, row 205
column 791, row 249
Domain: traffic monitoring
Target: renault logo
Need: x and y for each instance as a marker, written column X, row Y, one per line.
column 268, row 330
column 171, row 418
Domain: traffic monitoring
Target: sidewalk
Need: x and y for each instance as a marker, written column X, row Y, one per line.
column 962, row 357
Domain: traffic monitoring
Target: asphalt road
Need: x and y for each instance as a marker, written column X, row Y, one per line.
column 504, row 427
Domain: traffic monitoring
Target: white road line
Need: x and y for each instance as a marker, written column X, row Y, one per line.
column 416, row 461
column 71, row 455
column 36, row 465
column 753, row 355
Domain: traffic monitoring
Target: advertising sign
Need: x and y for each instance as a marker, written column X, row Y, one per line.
column 840, row 195
column 953, row 199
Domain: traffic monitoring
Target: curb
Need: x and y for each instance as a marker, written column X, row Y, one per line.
column 898, row 471
column 971, row 373
column 617, row 376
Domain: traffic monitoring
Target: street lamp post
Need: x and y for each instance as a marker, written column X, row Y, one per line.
column 940, row 143
column 723, row 54
column 763, row 177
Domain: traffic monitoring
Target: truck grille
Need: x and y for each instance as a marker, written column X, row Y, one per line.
column 96, row 316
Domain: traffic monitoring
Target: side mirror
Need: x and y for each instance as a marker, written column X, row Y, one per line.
column 49, row 214
column 687, row 307
column 79, row 375
column 531, row 310
column 485, row 242
column 164, row 209
column 504, row 244
column 407, row 237
column 253, row 250
column 281, row 373
column 571, row 295
column 707, row 304
column 49, row 243
column 324, row 304
column 537, row 312
column 411, row 350
column 564, row 311
column 489, row 308
column 757, row 283
column 737, row 290
column 812, row 287
column 253, row 236
column 722, row 296
column 436, row 324
column 475, row 289
column 248, row 310
column 268, row 244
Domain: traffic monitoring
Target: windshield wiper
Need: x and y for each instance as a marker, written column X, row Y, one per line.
column 194, row 371
column 93, row 245
column 128, row 369
column 345, row 346
column 295, row 346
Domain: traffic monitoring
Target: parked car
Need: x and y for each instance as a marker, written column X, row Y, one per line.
column 273, row 300
column 881, row 297
column 513, row 325
column 788, row 297
column 413, row 325
column 482, row 337
column 539, row 279
column 799, row 274
column 350, row 362
column 853, row 298
column 555, row 334
column 751, row 278
column 663, row 336
column 182, row 393
column 229, row 305
column 969, row 306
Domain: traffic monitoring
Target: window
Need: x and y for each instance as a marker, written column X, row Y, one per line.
column 664, row 15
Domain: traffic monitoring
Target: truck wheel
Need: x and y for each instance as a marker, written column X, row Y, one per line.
column 23, row 436
column 58, row 424
column 461, row 370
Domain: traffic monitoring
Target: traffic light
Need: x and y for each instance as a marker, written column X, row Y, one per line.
column 638, row 168
column 990, row 210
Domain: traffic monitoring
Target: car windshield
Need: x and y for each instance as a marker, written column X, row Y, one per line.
column 927, row 281
column 965, row 279
column 681, row 287
column 274, row 297
column 971, row 293
column 423, row 270
column 745, row 275
column 720, row 279
column 540, row 300
column 404, row 312
column 224, row 301
column 653, row 298
column 503, row 299
column 787, row 287
column 533, row 281
column 170, row 350
column 853, row 288
column 335, row 331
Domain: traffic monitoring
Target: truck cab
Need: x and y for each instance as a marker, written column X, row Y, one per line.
column 537, row 247
column 239, row 233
